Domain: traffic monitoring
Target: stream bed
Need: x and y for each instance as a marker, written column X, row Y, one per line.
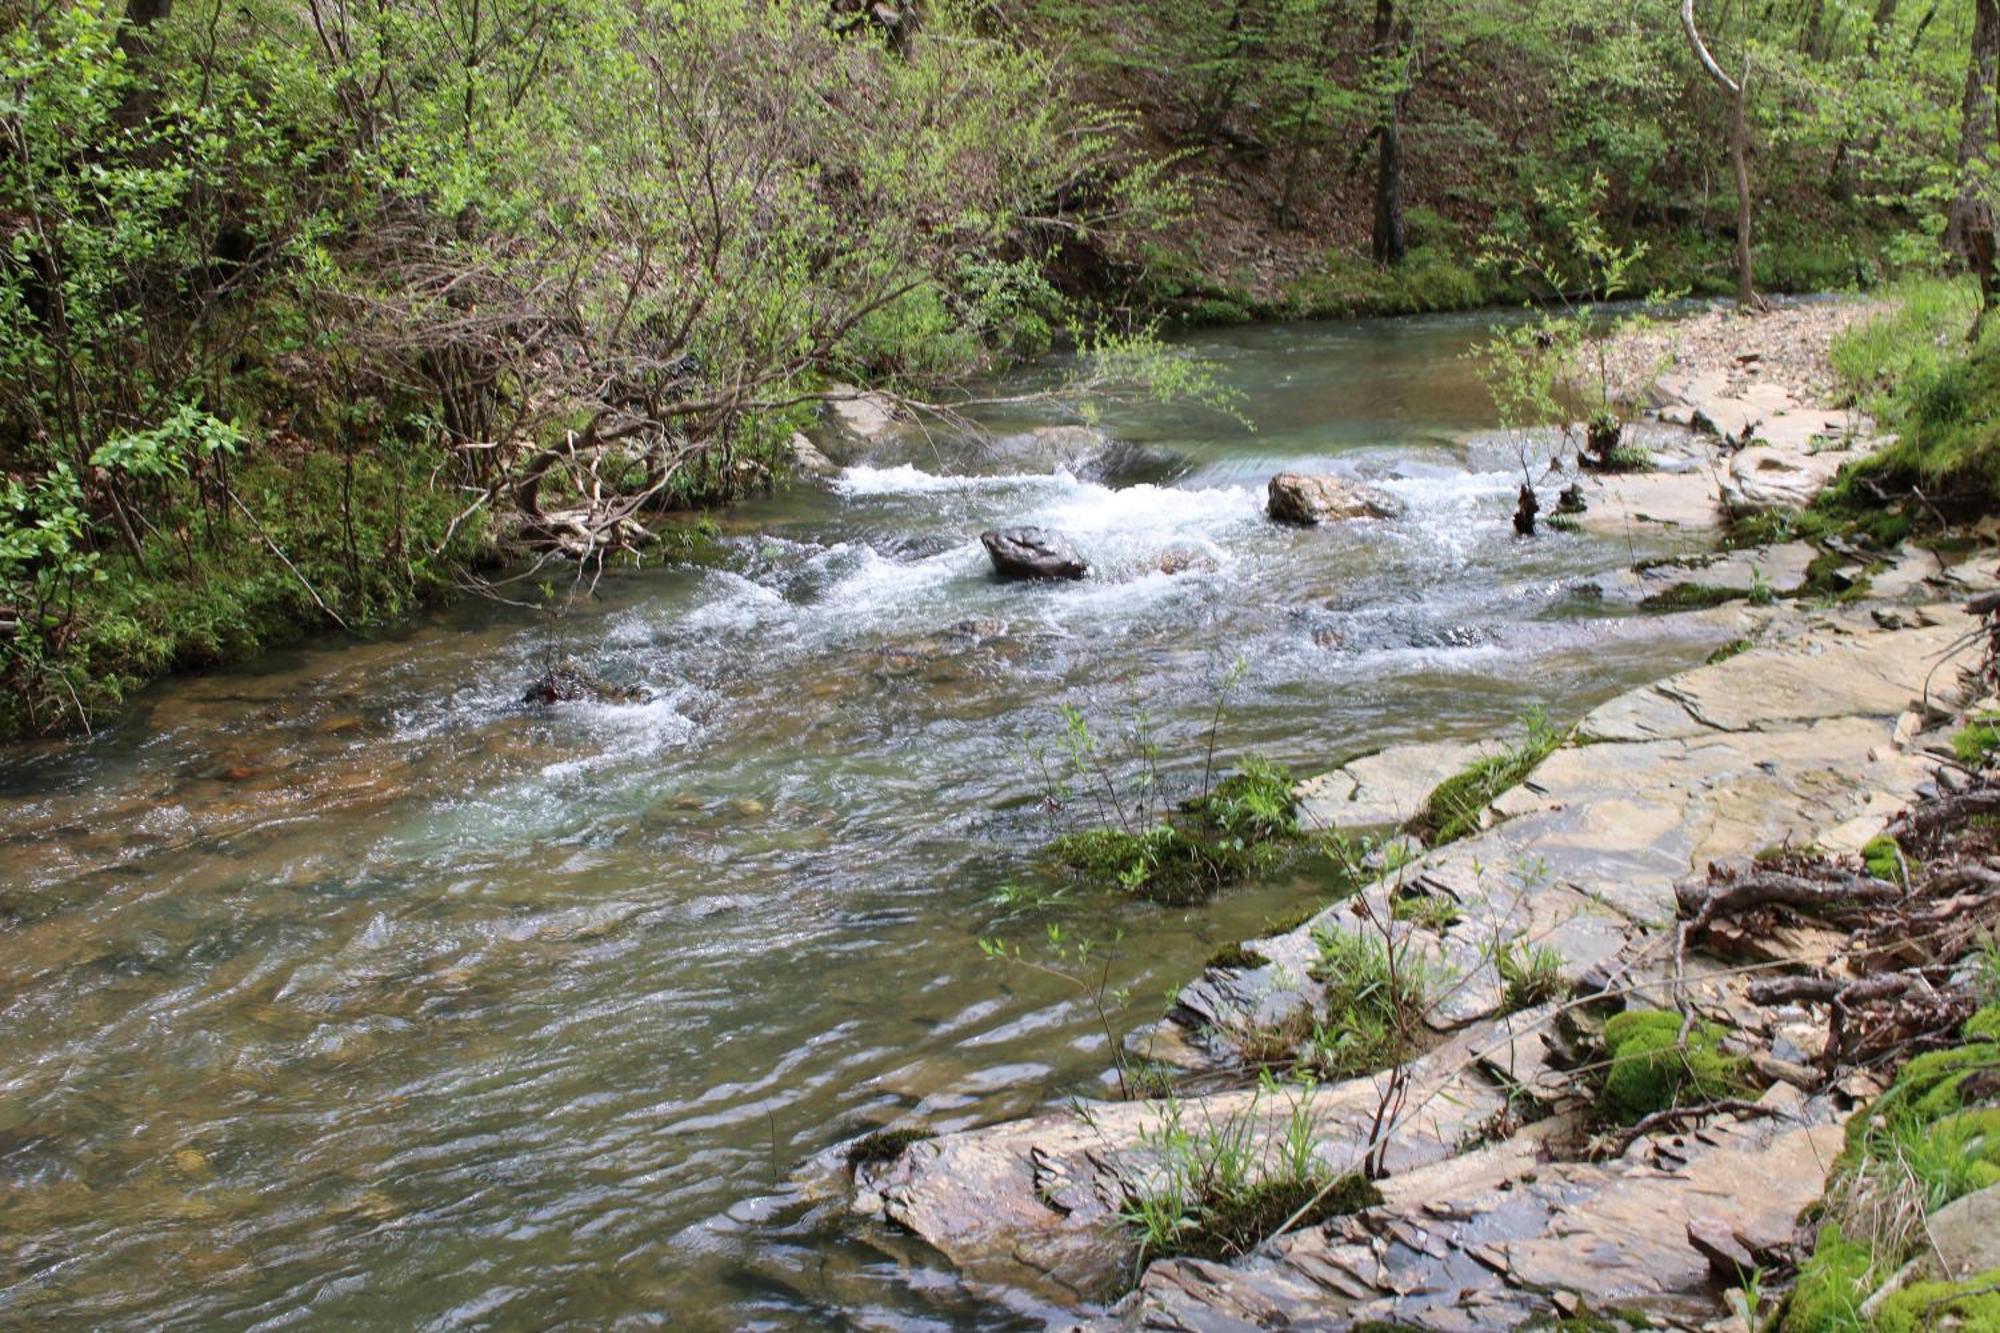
column 345, row 990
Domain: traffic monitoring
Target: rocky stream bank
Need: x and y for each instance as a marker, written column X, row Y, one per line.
column 1648, row 864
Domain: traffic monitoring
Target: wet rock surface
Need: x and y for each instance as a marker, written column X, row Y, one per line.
column 1032, row 553
column 1815, row 732
column 570, row 681
column 1307, row 501
column 1496, row 1239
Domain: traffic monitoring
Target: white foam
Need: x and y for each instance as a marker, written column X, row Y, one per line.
column 909, row 479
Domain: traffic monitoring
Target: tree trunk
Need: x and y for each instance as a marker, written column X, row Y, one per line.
column 1390, row 240
column 1739, row 162
column 1737, row 91
column 1970, row 212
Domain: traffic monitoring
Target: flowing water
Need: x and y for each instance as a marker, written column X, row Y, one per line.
column 346, row 991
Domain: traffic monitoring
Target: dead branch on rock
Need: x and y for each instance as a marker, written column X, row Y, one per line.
column 1830, row 898
column 1615, row 1143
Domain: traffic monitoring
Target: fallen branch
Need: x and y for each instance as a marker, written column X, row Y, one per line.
column 1773, row 888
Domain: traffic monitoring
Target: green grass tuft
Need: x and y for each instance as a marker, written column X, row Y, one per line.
column 1692, row 597
column 1454, row 808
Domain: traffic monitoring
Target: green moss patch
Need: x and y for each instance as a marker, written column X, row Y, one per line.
column 884, row 1145
column 1246, row 825
column 1233, row 1223
column 1236, row 958
column 1971, row 1304
column 1651, row 1071
column 1454, row 808
column 1692, row 597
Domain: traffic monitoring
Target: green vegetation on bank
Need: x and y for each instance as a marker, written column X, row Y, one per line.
column 1931, row 1139
column 1246, row 824
column 306, row 308
column 1222, row 1188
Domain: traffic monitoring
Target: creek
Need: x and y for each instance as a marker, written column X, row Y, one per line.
column 344, row 990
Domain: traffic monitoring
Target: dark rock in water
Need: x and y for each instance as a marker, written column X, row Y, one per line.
column 1295, row 497
column 569, row 682
column 1032, row 553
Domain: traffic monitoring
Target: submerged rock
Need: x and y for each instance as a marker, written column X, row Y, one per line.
column 569, row 681
column 1032, row 553
column 1295, row 497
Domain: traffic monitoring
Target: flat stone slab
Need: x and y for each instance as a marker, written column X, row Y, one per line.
column 1650, row 501
column 1780, row 569
column 1384, row 789
column 1035, row 1204
column 1846, row 667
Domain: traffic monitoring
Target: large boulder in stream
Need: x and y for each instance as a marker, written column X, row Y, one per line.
column 1032, row 553
column 569, row 682
column 1296, row 497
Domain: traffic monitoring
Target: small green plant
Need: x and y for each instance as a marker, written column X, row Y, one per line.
column 1734, row 648
column 1378, row 987
column 1083, row 965
column 1627, row 458
column 1455, row 808
column 1432, row 911
column 1223, row 1187
column 1531, row 974
column 1245, row 825
column 1761, row 591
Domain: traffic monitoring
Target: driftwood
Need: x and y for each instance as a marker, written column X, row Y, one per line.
column 1702, row 903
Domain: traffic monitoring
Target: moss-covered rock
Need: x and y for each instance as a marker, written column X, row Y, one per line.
column 1971, row 1304
column 1832, row 1285
column 1650, row 1070
column 1883, row 859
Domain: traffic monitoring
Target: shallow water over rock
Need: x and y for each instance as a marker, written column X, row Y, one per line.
column 348, row 990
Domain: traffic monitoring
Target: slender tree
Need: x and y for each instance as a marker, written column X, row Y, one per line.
column 1739, row 148
column 1969, row 228
column 1391, row 242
